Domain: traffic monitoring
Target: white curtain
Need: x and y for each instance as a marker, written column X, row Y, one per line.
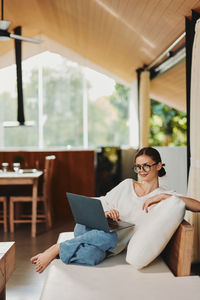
column 144, row 108
column 194, row 173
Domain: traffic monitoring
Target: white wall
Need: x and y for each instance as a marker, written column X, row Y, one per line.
column 175, row 159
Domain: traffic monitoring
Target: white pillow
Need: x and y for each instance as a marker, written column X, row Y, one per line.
column 154, row 231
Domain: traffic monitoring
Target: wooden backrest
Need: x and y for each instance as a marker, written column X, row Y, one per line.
column 178, row 253
column 48, row 173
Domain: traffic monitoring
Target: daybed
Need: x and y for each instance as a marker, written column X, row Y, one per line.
column 115, row 279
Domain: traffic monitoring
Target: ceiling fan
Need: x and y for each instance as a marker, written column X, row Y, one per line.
column 6, row 35
column 18, row 38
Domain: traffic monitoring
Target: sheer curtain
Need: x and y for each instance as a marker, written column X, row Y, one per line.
column 194, row 173
column 144, row 108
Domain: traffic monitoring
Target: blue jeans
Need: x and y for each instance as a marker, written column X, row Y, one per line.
column 88, row 247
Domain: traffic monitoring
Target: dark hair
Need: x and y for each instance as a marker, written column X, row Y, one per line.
column 155, row 155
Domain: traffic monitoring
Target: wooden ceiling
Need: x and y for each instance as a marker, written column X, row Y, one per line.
column 118, row 35
column 170, row 87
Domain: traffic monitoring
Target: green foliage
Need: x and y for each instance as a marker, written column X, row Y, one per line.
column 120, row 100
column 168, row 126
column 108, row 119
column 63, row 91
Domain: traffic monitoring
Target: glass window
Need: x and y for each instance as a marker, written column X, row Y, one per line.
column 107, row 111
column 54, row 90
column 12, row 135
column 62, row 106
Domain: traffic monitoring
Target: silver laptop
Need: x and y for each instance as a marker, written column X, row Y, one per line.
column 89, row 212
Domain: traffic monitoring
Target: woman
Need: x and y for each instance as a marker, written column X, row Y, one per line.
column 128, row 201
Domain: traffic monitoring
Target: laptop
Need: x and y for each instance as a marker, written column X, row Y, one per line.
column 89, row 212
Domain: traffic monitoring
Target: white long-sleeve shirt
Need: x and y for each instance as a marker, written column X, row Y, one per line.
column 124, row 199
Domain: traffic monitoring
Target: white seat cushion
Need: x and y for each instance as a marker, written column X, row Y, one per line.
column 154, row 231
column 115, row 279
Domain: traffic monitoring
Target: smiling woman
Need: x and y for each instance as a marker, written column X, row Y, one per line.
column 132, row 202
column 152, row 159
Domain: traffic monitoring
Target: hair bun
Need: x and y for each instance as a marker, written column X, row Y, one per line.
column 162, row 172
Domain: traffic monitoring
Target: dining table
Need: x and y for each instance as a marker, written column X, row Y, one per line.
column 24, row 177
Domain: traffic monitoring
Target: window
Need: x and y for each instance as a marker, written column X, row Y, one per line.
column 67, row 107
column 108, row 117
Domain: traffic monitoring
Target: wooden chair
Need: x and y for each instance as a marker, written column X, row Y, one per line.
column 46, row 215
column 3, row 214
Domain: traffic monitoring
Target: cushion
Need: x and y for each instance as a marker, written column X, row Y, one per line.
column 154, row 231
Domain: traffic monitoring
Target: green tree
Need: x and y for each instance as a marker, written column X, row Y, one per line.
column 108, row 119
column 167, row 126
column 63, row 92
column 120, row 100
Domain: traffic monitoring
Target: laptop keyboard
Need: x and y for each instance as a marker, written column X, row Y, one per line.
column 112, row 223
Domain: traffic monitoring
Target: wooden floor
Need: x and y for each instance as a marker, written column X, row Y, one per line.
column 25, row 283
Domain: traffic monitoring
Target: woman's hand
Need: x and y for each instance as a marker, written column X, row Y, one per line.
column 154, row 199
column 113, row 214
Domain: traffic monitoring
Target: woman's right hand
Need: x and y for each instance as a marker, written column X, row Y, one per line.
column 113, row 214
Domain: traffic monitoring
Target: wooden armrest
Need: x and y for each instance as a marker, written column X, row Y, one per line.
column 178, row 252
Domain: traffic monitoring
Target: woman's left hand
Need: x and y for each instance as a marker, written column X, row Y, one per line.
column 153, row 200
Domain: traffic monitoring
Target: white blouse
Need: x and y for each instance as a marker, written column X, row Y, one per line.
column 124, row 199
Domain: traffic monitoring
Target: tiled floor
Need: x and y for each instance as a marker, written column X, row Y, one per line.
column 25, row 283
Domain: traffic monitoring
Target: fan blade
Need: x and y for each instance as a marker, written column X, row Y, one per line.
column 23, row 38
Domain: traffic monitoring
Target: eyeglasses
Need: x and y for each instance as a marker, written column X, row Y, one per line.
column 145, row 167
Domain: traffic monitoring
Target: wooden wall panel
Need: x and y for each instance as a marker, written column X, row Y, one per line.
column 74, row 172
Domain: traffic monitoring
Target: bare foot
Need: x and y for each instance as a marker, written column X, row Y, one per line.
column 43, row 259
column 34, row 258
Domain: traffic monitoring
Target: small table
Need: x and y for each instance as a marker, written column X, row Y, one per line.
column 7, row 265
column 15, row 178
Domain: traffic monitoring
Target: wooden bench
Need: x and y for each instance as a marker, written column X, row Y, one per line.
column 115, row 279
